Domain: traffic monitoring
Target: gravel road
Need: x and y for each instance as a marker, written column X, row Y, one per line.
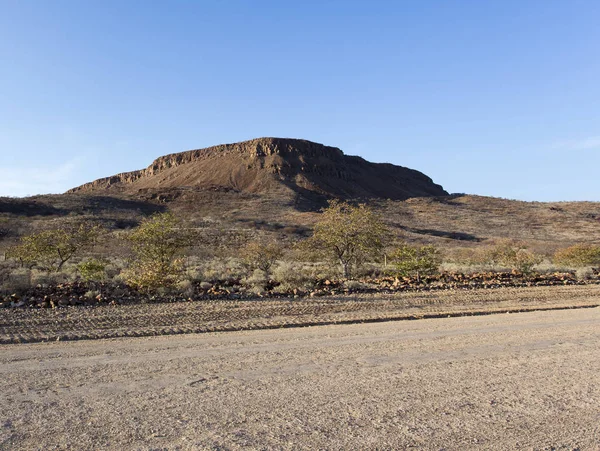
column 511, row 381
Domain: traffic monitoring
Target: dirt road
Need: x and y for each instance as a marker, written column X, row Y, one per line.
column 512, row 381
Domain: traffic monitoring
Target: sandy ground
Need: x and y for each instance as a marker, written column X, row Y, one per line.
column 511, row 381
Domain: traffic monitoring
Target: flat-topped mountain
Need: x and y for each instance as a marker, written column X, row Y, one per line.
column 267, row 165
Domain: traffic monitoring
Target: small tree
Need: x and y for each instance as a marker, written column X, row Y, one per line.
column 416, row 260
column 348, row 235
column 260, row 255
column 51, row 249
column 157, row 244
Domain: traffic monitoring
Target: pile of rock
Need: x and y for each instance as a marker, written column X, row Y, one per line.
column 71, row 294
column 477, row 280
column 93, row 294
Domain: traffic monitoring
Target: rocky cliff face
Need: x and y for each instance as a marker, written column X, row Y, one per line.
column 270, row 164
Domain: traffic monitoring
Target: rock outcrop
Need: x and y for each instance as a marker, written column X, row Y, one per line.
column 271, row 164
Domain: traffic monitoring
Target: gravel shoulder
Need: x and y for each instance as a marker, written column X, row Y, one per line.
column 76, row 323
column 499, row 382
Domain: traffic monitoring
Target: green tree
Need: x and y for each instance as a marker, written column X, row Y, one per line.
column 157, row 244
column 416, row 260
column 51, row 249
column 348, row 235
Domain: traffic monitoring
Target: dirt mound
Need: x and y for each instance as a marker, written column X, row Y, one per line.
column 270, row 165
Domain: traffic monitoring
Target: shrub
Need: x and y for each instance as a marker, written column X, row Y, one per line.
column 157, row 245
column 294, row 275
column 18, row 281
column 416, row 260
column 579, row 255
column 92, row 270
column 257, row 279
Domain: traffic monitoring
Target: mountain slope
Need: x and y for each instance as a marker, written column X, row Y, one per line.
column 273, row 165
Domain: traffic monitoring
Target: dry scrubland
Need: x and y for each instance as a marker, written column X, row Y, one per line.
column 467, row 233
column 454, row 221
column 501, row 382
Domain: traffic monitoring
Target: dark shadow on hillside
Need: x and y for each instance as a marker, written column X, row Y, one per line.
column 459, row 236
column 101, row 203
column 25, row 207
column 306, row 200
column 63, row 205
column 449, row 200
column 270, row 226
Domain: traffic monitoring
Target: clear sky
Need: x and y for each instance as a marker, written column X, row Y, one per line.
column 498, row 97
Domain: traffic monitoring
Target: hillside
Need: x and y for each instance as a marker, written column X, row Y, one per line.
column 275, row 187
column 447, row 221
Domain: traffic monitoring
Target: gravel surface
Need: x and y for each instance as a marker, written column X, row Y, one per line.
column 518, row 381
column 74, row 323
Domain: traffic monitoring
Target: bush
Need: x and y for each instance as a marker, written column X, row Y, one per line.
column 157, row 245
column 18, row 281
column 93, row 270
column 578, row 256
column 258, row 279
column 416, row 260
column 294, row 275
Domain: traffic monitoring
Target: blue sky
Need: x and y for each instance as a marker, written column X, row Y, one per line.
column 496, row 98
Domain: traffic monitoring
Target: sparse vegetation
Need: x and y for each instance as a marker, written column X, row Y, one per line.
column 239, row 253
